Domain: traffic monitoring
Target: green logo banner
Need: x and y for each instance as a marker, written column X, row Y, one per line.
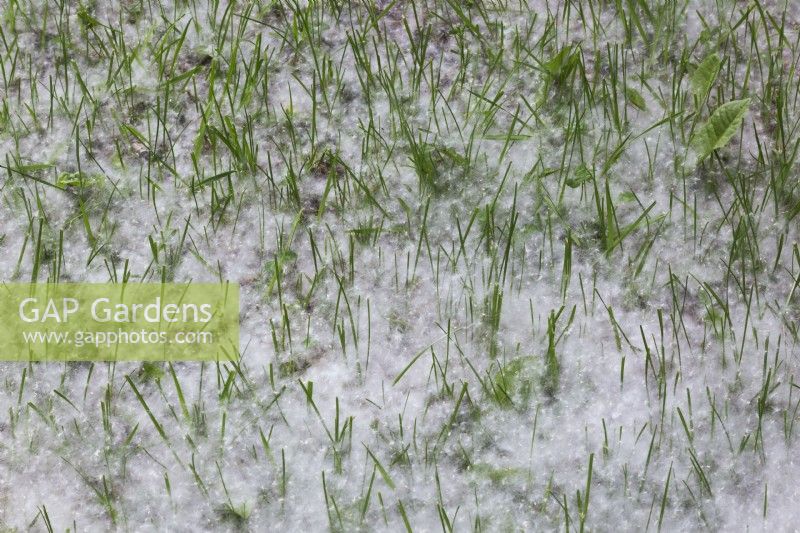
column 119, row 322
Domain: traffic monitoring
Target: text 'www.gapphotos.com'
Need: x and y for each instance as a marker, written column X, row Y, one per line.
column 113, row 338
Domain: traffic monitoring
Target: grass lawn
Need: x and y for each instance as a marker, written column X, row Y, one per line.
column 504, row 265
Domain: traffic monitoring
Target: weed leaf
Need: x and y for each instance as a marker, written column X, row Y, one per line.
column 635, row 98
column 720, row 127
column 705, row 75
column 582, row 175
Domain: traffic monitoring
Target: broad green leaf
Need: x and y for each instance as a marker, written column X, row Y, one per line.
column 582, row 175
column 34, row 167
column 561, row 65
column 77, row 179
column 87, row 20
column 635, row 98
column 705, row 74
column 720, row 127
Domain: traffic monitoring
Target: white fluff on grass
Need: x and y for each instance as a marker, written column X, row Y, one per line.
column 444, row 421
